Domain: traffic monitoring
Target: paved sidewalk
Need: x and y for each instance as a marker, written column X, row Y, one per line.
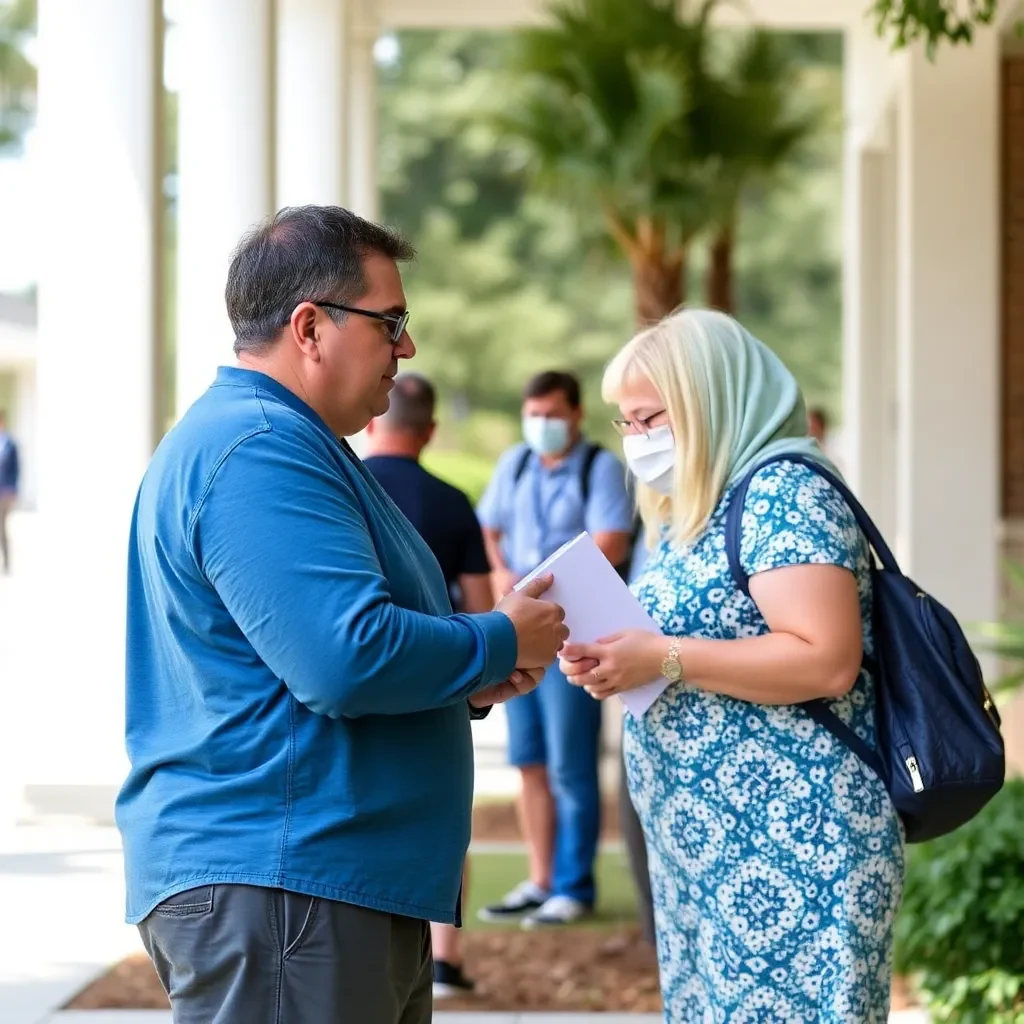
column 151, row 1017
column 62, row 896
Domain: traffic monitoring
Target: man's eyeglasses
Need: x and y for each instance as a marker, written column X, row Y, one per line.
column 627, row 427
column 398, row 321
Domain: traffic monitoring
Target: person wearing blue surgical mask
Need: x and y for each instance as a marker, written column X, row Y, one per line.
column 544, row 492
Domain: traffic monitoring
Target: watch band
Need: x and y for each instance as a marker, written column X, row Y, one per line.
column 671, row 668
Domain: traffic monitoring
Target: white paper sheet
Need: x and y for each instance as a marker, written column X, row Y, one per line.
column 597, row 603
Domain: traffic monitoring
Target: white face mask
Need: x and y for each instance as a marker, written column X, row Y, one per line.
column 652, row 459
column 546, row 436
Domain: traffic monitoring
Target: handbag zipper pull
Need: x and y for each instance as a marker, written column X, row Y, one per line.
column 915, row 774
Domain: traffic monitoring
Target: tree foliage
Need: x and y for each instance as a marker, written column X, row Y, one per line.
column 643, row 116
column 934, row 21
column 511, row 280
column 17, row 72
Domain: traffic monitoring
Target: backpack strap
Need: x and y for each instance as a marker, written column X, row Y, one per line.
column 521, row 464
column 818, row 709
column 587, row 470
column 823, row 714
column 734, row 517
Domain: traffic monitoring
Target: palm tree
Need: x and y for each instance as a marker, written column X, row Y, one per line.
column 17, row 73
column 638, row 111
column 753, row 126
column 604, row 116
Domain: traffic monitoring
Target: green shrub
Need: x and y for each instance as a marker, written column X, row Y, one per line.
column 961, row 929
column 470, row 473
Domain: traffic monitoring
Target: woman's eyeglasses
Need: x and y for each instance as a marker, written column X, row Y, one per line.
column 628, row 427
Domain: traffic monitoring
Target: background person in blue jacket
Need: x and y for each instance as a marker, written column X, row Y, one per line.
column 299, row 692
column 9, row 472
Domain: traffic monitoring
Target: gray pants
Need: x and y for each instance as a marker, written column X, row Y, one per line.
column 236, row 954
column 6, row 504
column 636, row 854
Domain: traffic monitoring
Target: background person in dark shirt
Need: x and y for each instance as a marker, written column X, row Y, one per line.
column 445, row 519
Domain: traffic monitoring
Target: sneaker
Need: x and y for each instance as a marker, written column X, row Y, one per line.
column 557, row 910
column 449, row 981
column 521, row 900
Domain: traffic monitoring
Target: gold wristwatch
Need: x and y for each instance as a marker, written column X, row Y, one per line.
column 670, row 667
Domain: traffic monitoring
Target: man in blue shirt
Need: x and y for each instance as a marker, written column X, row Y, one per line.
column 544, row 493
column 444, row 518
column 299, row 692
column 9, row 472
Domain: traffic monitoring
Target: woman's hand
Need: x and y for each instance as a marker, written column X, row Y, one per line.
column 614, row 664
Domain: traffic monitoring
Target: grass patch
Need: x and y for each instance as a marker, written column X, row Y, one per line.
column 470, row 473
column 491, row 875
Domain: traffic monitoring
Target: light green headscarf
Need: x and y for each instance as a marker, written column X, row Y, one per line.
column 753, row 400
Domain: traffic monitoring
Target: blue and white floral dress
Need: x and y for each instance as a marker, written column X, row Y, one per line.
column 776, row 856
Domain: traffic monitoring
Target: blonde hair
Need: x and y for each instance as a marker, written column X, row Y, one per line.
column 676, row 356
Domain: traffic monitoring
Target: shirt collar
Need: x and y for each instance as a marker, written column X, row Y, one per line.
column 242, row 376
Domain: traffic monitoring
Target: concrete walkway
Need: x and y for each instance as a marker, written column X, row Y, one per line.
column 151, row 1017
column 157, row 1017
column 62, row 896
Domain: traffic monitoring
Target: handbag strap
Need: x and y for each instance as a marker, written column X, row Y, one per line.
column 818, row 709
column 734, row 517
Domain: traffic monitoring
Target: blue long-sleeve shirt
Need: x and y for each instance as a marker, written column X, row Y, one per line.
column 296, row 681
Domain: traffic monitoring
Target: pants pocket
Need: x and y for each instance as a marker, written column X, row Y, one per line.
column 190, row 903
column 296, row 916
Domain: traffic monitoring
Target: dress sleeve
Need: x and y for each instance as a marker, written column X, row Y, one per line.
column 793, row 516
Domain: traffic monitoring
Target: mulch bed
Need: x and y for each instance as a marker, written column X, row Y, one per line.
column 573, row 970
column 579, row 969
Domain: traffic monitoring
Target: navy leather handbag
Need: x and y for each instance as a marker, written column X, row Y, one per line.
column 940, row 752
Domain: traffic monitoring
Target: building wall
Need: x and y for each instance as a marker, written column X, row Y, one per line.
column 1013, row 286
column 1012, row 369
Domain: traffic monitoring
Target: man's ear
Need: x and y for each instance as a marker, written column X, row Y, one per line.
column 302, row 330
column 429, row 433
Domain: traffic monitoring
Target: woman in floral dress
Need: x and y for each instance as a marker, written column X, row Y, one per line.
column 776, row 856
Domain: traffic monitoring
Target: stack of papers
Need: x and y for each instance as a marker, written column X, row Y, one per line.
column 597, row 604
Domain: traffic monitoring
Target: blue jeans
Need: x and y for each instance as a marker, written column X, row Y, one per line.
column 559, row 726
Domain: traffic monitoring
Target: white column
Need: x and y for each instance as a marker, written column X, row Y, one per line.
column 100, row 116
column 949, row 350
column 868, row 320
column 363, row 195
column 225, row 169
column 312, row 114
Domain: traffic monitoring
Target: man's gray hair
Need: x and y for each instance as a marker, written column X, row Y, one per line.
column 413, row 400
column 301, row 254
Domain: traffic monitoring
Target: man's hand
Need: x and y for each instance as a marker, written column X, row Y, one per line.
column 519, row 683
column 539, row 625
